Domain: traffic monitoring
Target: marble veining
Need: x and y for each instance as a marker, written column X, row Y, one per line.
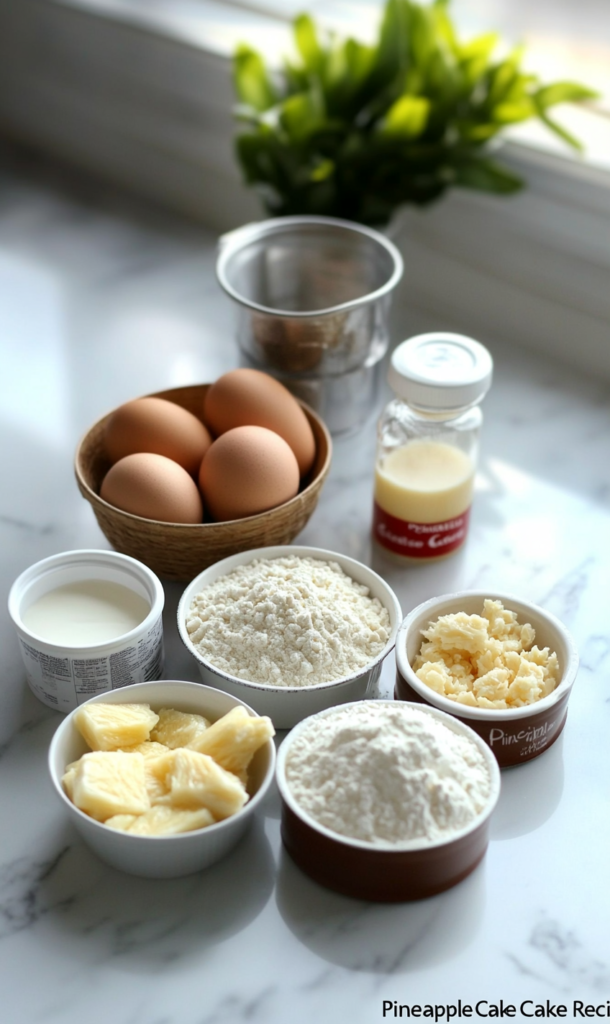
column 563, row 949
column 560, row 959
column 101, row 300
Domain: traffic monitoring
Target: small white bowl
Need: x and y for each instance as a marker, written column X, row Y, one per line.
column 515, row 735
column 162, row 856
column 287, row 705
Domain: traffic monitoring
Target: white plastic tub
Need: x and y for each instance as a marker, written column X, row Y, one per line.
column 63, row 677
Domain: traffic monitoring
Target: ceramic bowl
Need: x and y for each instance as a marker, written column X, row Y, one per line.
column 162, row 856
column 392, row 873
column 287, row 705
column 514, row 736
column 178, row 551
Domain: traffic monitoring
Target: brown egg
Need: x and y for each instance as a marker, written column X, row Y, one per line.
column 248, row 397
column 247, row 470
column 156, row 425
column 149, row 485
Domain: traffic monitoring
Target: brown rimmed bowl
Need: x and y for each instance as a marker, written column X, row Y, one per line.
column 514, row 736
column 391, row 873
column 178, row 551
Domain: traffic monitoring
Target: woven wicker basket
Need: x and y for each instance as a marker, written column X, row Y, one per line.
column 176, row 551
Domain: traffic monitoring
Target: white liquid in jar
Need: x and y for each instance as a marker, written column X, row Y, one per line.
column 425, row 482
column 85, row 613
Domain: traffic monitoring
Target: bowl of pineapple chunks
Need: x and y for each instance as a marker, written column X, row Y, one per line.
column 162, row 779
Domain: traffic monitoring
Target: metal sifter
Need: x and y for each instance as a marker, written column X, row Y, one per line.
column 314, row 296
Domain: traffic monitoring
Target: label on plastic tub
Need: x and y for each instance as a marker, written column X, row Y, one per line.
column 419, row 540
column 64, row 682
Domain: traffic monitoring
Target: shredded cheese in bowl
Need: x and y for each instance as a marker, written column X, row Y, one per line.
column 487, row 660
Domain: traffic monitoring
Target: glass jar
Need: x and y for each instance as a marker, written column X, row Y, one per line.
column 427, row 445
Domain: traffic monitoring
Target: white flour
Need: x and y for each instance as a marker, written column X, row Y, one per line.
column 288, row 622
column 386, row 773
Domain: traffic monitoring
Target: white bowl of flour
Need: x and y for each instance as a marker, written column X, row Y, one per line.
column 290, row 630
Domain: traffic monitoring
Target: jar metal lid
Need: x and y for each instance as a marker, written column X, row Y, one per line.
column 440, row 370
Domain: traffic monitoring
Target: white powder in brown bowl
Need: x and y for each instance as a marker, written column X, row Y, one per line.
column 288, row 622
column 386, row 773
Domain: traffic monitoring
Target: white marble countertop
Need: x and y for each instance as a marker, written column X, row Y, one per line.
column 99, row 304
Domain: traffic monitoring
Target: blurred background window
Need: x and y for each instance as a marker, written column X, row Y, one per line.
column 565, row 39
column 140, row 91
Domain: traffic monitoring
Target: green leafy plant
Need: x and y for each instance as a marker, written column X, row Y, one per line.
column 355, row 131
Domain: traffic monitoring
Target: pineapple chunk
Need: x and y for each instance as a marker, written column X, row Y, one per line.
column 168, row 821
column 121, row 822
column 67, row 779
column 110, row 726
column 156, row 772
column 242, row 776
column 162, row 774
column 107, row 783
column 152, row 752
column 177, row 728
column 196, row 780
column 234, row 739
column 68, row 782
column 149, row 749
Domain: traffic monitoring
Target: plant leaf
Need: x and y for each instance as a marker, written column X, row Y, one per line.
column 407, row 117
column 472, row 131
column 323, row 170
column 474, row 56
column 301, row 115
column 443, row 78
column 297, row 77
column 335, row 67
column 563, row 92
column 520, row 87
column 353, row 131
column 563, row 133
column 393, row 48
column 503, row 76
column 359, row 60
column 486, row 176
column 443, row 24
column 423, row 42
column 255, row 152
column 513, row 111
column 306, row 39
column 346, row 80
column 252, row 83
column 481, row 46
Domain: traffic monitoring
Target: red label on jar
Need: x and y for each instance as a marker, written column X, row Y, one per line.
column 419, row 540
